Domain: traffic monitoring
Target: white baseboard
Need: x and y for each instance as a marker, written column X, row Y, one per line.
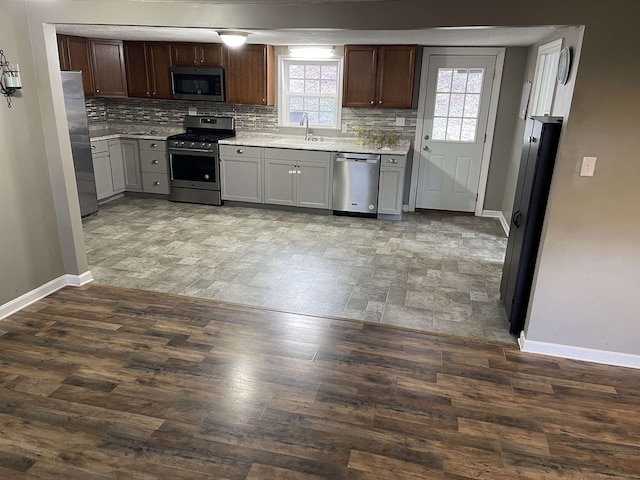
column 579, row 353
column 500, row 216
column 42, row 291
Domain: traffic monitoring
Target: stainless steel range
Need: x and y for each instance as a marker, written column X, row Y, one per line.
column 194, row 160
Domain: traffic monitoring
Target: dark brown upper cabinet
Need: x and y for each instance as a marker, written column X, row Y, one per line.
column 148, row 67
column 197, row 54
column 107, row 60
column 250, row 75
column 379, row 76
column 75, row 54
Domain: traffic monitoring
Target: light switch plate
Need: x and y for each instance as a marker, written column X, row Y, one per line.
column 193, row 111
column 344, row 128
column 399, row 121
column 588, row 166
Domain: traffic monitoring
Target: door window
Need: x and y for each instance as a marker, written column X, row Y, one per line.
column 457, row 104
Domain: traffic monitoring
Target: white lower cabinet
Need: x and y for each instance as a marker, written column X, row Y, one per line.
column 391, row 185
column 108, row 168
column 241, row 173
column 300, row 178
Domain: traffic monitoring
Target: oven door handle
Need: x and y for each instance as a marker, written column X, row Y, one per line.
column 202, row 153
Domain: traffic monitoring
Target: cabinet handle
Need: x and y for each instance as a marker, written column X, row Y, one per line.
column 379, row 101
column 239, row 151
column 154, row 145
column 154, row 162
column 93, row 147
column 393, row 160
column 155, row 184
column 372, row 102
column 97, row 90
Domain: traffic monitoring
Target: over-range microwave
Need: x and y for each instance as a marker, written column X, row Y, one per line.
column 190, row 83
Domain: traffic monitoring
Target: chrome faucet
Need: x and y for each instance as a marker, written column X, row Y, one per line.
column 307, row 135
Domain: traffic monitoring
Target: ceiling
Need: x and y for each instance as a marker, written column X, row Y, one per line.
column 454, row 37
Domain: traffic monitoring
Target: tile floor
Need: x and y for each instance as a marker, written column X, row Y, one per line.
column 431, row 272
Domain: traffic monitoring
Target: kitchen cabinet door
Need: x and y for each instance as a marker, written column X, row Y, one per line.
column 197, row 54
column 131, row 162
column 137, row 71
column 250, row 75
column 63, row 52
column 360, row 67
column 108, row 66
column 395, row 73
column 241, row 179
column 116, row 163
column 159, row 69
column 379, row 76
column 280, row 182
column 390, row 191
column 102, row 175
column 314, row 185
column 79, row 58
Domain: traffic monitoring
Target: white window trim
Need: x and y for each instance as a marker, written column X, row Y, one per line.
column 544, row 79
column 282, row 112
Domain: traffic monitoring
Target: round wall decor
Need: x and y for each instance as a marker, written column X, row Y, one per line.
column 564, row 65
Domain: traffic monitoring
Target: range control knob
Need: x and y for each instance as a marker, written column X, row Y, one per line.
column 193, row 144
column 182, row 144
column 209, row 145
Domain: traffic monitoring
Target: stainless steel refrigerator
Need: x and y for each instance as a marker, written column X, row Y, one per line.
column 80, row 143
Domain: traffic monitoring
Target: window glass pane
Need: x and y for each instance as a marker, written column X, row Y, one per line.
column 329, row 72
column 294, row 117
column 474, row 85
column 453, row 129
column 311, row 104
column 456, row 105
column 296, row 71
column 442, row 105
column 444, row 79
column 296, row 86
column 468, row 130
column 471, row 105
column 312, row 71
column 313, row 118
column 327, row 104
column 296, row 103
column 312, row 86
column 439, row 129
column 328, row 86
column 459, row 83
column 325, row 118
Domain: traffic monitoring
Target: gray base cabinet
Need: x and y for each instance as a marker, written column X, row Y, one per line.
column 117, row 166
column 391, row 186
column 154, row 166
column 132, row 171
column 299, row 178
column 241, row 173
column 108, row 168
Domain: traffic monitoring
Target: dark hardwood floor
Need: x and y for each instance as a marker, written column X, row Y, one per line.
column 101, row 382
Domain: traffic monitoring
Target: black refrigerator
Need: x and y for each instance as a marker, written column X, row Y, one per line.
column 539, row 148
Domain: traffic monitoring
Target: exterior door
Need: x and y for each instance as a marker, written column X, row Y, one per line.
column 454, row 127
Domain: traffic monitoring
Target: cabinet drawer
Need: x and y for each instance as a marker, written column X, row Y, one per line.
column 153, row 162
column 155, row 183
column 239, row 151
column 100, row 146
column 158, row 145
column 393, row 161
column 297, row 155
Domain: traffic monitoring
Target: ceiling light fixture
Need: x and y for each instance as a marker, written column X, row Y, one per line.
column 233, row 38
column 310, row 51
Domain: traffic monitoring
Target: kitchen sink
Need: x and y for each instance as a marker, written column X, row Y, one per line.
column 299, row 143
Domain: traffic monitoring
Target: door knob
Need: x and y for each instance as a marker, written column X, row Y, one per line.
column 425, row 148
column 426, row 137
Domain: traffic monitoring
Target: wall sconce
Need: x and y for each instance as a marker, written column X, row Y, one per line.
column 233, row 38
column 9, row 78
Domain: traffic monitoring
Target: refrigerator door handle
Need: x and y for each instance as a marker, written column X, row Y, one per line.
column 517, row 218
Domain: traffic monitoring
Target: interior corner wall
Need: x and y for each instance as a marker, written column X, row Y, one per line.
column 506, row 124
column 30, row 253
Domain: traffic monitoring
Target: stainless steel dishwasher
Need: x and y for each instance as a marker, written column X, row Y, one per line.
column 355, row 182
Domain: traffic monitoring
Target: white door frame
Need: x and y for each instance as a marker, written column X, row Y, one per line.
column 491, row 121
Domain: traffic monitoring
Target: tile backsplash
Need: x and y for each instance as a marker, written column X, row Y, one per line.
column 248, row 117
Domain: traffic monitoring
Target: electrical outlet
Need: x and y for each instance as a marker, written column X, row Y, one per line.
column 344, row 128
column 588, row 166
column 399, row 121
column 193, row 111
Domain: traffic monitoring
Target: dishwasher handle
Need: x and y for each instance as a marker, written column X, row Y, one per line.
column 357, row 157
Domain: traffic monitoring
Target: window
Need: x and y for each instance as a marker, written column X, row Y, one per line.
column 457, row 106
column 311, row 87
column 544, row 80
